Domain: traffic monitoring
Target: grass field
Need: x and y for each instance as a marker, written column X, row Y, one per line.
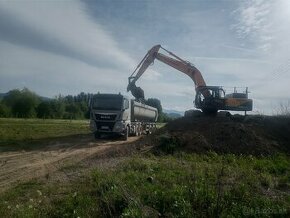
column 20, row 133
column 18, row 130
column 207, row 185
column 147, row 185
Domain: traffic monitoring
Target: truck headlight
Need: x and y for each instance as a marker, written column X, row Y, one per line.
column 119, row 126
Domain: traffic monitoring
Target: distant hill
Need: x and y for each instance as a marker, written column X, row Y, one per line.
column 173, row 113
column 2, row 95
column 169, row 111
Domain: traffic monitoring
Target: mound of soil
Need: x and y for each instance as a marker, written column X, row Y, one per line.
column 256, row 135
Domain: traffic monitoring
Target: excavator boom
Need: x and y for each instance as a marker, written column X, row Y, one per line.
column 144, row 64
column 174, row 61
column 184, row 67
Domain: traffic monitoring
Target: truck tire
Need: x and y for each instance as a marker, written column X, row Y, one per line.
column 97, row 135
column 126, row 134
column 136, row 133
column 141, row 131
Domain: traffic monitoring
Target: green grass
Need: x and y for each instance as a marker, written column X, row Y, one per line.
column 25, row 134
column 21, row 132
column 18, row 132
column 182, row 185
column 178, row 185
column 160, row 125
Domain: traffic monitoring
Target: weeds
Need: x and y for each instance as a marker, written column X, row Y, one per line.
column 168, row 144
column 182, row 185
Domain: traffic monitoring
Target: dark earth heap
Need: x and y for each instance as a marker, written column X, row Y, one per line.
column 237, row 134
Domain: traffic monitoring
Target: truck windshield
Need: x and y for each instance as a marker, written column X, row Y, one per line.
column 107, row 103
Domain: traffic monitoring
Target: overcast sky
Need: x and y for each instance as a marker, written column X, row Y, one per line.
column 66, row 47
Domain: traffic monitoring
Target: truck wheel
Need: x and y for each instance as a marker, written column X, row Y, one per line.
column 138, row 131
column 126, row 134
column 148, row 132
column 97, row 135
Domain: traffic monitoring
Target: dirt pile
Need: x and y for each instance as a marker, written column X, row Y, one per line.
column 257, row 135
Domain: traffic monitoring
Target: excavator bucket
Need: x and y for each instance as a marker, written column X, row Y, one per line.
column 137, row 92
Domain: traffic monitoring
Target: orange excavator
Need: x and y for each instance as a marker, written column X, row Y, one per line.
column 209, row 99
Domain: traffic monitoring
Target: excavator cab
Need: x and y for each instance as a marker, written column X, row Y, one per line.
column 209, row 99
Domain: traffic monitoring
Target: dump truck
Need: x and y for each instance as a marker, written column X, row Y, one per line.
column 116, row 114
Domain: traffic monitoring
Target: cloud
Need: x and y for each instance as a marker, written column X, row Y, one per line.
column 151, row 75
column 62, row 28
column 254, row 22
column 55, row 47
column 264, row 24
column 51, row 74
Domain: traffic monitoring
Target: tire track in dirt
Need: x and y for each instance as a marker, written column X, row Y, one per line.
column 22, row 166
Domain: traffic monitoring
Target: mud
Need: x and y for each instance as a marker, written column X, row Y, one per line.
column 21, row 166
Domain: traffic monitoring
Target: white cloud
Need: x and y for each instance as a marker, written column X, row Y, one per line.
column 151, row 75
column 254, row 22
column 87, row 57
column 264, row 24
column 67, row 23
column 52, row 74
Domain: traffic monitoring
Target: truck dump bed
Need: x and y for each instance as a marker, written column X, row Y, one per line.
column 143, row 112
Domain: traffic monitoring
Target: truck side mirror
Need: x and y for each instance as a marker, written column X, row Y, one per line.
column 125, row 104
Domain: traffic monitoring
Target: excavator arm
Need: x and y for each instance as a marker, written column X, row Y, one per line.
column 172, row 60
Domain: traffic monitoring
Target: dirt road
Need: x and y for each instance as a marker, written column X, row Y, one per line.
column 21, row 166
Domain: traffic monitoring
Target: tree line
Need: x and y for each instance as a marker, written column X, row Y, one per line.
column 27, row 104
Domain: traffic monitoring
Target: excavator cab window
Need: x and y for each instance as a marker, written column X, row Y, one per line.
column 212, row 93
column 216, row 92
column 221, row 93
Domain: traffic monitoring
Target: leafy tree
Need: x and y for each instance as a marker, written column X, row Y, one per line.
column 73, row 111
column 4, row 110
column 11, row 98
column 22, row 103
column 44, row 110
column 154, row 102
column 57, row 108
